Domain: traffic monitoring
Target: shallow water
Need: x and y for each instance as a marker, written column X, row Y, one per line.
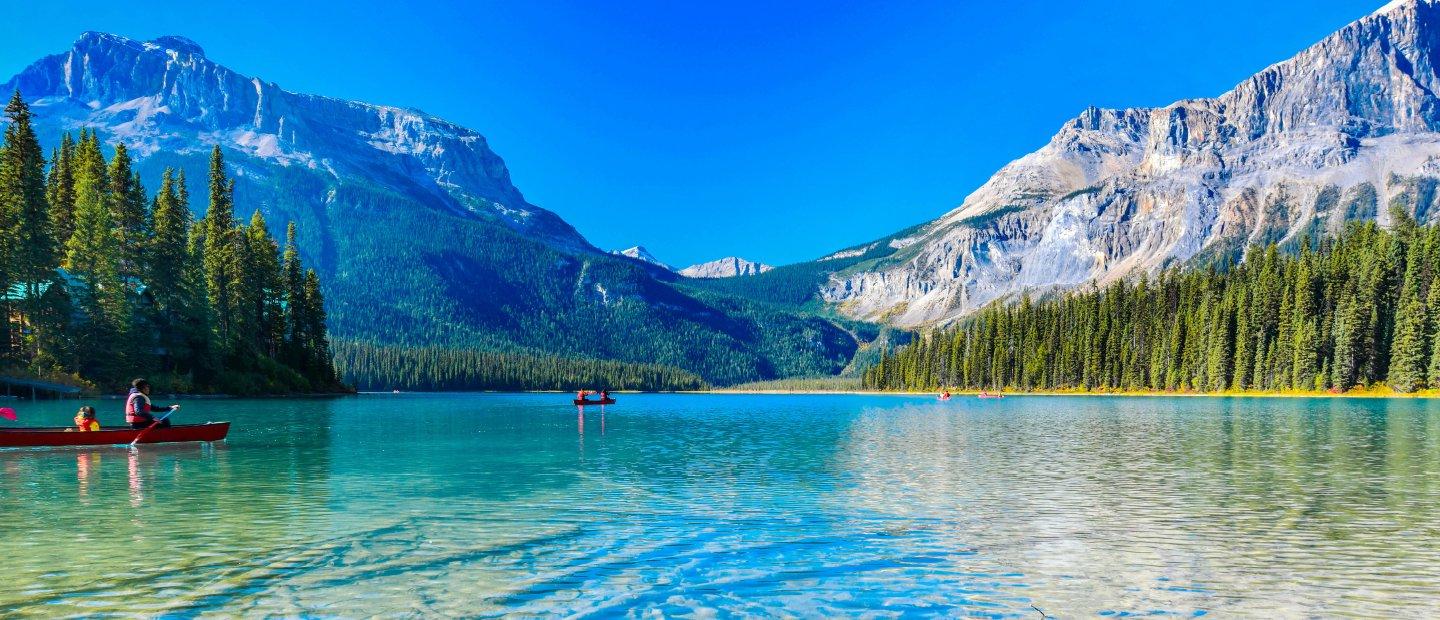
column 488, row 504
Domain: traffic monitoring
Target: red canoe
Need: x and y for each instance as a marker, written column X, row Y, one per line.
column 586, row 401
column 66, row 436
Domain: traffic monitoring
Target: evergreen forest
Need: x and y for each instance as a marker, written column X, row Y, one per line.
column 103, row 281
column 1358, row 311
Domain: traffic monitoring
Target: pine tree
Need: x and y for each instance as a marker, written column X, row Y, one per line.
column 293, row 277
column 1407, row 353
column 92, row 256
column 29, row 252
column 1244, row 341
column 1433, row 304
column 317, row 345
column 60, row 191
column 1349, row 327
column 221, row 251
column 263, row 286
column 165, row 254
column 128, row 208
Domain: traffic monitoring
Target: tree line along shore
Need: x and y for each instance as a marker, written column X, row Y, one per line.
column 103, row 281
column 1357, row 314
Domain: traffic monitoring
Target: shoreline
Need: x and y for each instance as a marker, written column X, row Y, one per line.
column 1425, row 394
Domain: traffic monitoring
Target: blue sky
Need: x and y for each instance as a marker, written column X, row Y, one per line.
column 771, row 130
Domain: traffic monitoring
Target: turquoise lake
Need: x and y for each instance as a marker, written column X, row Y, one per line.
column 494, row 504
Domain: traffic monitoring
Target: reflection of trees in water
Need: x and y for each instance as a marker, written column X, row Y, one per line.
column 108, row 528
column 1287, row 502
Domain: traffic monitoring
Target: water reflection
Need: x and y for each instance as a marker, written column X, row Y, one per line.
column 113, row 529
column 85, row 464
column 1185, row 506
column 717, row 505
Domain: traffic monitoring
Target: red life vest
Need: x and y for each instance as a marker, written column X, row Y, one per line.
column 86, row 424
column 136, row 410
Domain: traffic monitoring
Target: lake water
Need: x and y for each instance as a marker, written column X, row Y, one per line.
column 488, row 504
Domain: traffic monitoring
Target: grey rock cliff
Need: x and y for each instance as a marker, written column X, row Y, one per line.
column 1342, row 131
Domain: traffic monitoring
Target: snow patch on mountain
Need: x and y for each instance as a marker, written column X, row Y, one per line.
column 643, row 255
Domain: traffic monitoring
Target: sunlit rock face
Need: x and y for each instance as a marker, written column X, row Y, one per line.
column 165, row 97
column 1343, row 131
column 728, row 267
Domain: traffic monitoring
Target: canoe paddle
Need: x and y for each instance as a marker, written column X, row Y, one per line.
column 153, row 425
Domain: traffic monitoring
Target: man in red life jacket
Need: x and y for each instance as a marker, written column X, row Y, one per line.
column 138, row 411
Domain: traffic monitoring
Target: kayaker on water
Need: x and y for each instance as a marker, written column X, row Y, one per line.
column 138, row 411
column 85, row 419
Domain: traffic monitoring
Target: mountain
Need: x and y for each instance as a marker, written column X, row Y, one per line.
column 421, row 237
column 727, row 267
column 643, row 255
column 1345, row 130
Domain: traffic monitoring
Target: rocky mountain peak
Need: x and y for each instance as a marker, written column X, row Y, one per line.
column 728, row 267
column 643, row 255
column 165, row 96
column 179, row 44
column 1341, row 131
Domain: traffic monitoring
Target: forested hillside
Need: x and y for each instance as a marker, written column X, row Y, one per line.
column 438, row 369
column 1362, row 309
column 412, row 222
column 103, row 282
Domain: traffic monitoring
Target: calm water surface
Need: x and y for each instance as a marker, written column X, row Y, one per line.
column 491, row 504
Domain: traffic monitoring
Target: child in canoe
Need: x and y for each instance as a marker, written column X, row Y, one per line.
column 85, row 419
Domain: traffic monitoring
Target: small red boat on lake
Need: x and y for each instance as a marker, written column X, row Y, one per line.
column 114, row 435
column 586, row 401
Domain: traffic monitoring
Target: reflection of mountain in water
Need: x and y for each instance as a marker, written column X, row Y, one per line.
column 1141, row 504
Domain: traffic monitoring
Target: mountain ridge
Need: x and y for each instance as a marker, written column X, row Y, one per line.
column 727, row 267
column 413, row 221
column 1340, row 131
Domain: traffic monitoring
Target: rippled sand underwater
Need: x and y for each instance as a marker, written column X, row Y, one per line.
column 494, row 504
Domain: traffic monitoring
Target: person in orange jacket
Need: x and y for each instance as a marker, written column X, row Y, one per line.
column 85, row 419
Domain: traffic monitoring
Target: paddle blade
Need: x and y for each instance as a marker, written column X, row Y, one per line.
column 7, row 413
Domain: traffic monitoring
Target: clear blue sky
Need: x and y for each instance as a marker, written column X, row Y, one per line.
column 771, row 130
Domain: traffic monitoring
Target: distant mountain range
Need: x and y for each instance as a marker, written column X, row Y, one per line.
column 727, row 267
column 1343, row 131
column 424, row 240
column 421, row 237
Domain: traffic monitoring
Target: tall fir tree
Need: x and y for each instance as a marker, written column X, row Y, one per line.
column 127, row 202
column 30, row 251
column 94, row 258
column 293, row 281
column 317, row 346
column 1433, row 304
column 264, row 286
column 60, row 191
column 1407, row 354
column 221, row 251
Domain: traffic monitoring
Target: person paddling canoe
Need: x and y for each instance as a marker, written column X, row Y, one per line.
column 138, row 411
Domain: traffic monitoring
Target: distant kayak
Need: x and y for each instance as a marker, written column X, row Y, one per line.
column 67, row 436
column 586, row 401
column 989, row 395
